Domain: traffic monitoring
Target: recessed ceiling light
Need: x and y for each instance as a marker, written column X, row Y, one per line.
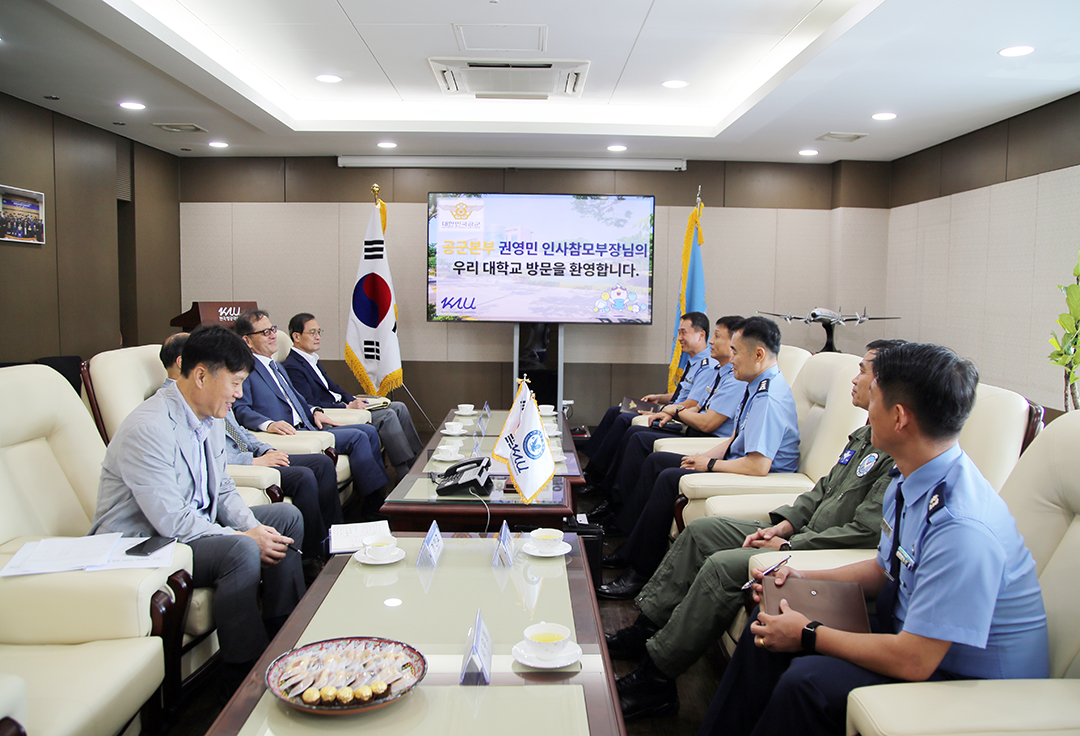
column 387, row 144
column 808, row 152
column 218, row 144
column 328, row 78
column 1017, row 51
column 675, row 84
column 132, row 105
column 616, row 149
column 884, row 116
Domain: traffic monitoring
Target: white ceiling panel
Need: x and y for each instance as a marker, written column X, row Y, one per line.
column 238, row 12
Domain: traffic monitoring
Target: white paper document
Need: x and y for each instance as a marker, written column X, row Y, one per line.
column 97, row 552
column 350, row 537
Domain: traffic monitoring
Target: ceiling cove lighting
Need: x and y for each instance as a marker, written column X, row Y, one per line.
column 387, row 144
column 616, row 148
column 132, row 105
column 218, row 144
column 497, row 162
column 328, row 78
column 808, row 152
column 1017, row 51
column 675, row 84
column 884, row 116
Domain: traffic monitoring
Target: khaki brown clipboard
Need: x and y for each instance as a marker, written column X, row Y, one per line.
column 836, row 605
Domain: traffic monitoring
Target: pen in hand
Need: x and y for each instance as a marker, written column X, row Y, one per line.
column 766, row 571
column 294, row 549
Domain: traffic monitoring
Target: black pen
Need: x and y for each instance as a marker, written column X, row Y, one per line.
column 294, row 549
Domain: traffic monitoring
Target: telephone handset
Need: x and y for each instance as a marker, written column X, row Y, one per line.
column 465, row 477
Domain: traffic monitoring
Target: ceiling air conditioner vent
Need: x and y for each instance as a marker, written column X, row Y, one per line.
column 842, row 137
column 180, row 127
column 507, row 79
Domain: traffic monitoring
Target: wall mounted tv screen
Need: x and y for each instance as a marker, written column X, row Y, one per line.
column 569, row 258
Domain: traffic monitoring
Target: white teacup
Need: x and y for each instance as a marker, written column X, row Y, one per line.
column 380, row 546
column 464, row 408
column 455, row 427
column 550, row 429
column 547, row 408
column 546, row 640
column 450, row 445
column 546, row 540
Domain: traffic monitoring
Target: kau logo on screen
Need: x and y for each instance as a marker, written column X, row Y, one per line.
column 459, row 303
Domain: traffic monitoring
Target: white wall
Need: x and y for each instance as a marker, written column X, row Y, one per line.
column 976, row 271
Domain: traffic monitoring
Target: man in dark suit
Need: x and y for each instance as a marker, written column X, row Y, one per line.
column 271, row 404
column 394, row 423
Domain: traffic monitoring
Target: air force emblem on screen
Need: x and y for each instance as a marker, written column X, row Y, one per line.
column 461, row 216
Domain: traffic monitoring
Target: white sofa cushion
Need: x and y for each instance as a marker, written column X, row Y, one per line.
column 13, row 697
column 87, row 689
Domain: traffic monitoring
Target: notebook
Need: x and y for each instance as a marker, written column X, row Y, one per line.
column 836, row 605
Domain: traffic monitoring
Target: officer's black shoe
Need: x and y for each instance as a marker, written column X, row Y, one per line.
column 624, row 587
column 647, row 692
column 628, row 643
column 600, row 511
column 589, row 489
column 611, row 528
column 613, row 562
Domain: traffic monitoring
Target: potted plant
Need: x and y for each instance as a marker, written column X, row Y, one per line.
column 1065, row 347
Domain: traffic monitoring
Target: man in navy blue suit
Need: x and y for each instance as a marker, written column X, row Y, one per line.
column 394, row 423
column 271, row 404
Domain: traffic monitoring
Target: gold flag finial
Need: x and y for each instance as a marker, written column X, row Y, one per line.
column 375, row 190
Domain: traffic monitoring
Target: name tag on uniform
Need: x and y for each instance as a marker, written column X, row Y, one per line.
column 887, row 528
column 846, row 456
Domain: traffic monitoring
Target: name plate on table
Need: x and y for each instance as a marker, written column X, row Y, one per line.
column 476, row 665
column 504, row 548
column 432, row 548
column 481, row 426
column 486, row 413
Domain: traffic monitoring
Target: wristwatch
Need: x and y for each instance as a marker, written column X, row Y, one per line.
column 712, row 462
column 785, row 546
column 809, row 637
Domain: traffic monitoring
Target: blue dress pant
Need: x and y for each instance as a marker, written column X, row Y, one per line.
column 361, row 443
column 766, row 693
column 604, row 445
column 310, row 480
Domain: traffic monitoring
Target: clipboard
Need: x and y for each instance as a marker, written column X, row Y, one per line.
column 835, row 604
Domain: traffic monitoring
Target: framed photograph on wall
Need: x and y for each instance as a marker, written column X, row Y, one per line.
column 22, row 215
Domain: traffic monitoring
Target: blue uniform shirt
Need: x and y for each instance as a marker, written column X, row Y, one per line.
column 723, row 397
column 768, row 423
column 967, row 578
column 698, row 366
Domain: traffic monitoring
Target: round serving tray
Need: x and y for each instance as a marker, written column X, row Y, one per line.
column 279, row 665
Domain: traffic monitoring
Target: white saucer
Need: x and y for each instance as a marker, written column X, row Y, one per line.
column 397, row 556
column 554, row 433
column 570, row 654
column 549, row 414
column 447, row 432
column 453, row 459
column 558, row 458
column 530, row 549
column 472, row 413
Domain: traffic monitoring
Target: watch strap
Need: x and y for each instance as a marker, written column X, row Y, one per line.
column 809, row 637
column 712, row 462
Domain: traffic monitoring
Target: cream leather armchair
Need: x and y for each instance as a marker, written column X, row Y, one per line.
column 116, row 634
column 117, row 381
column 1043, row 493
column 12, row 705
column 822, row 392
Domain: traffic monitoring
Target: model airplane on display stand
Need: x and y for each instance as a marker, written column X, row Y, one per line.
column 828, row 319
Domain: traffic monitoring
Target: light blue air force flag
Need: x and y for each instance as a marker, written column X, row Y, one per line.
column 523, row 446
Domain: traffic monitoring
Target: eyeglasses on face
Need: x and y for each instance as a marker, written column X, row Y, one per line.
column 265, row 333
column 313, row 333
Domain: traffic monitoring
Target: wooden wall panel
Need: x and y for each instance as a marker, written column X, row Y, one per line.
column 86, row 235
column 1045, row 139
column 796, row 186
column 30, row 327
column 320, row 179
column 975, row 160
column 861, row 184
column 232, row 179
column 676, row 188
column 916, row 178
column 157, row 241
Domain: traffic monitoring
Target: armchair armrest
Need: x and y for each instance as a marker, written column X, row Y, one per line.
column 706, row 485
column 747, row 506
column 639, row 421
column 12, row 698
column 349, row 416
column 256, row 484
column 301, row 443
column 966, row 707
column 78, row 606
column 812, row 559
column 686, row 445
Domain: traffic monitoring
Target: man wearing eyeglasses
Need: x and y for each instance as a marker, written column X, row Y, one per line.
column 271, row 403
column 393, row 422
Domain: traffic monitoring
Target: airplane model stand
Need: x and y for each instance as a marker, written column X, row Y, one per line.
column 828, row 319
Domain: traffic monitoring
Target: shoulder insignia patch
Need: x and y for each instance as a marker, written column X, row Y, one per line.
column 866, row 464
column 763, row 386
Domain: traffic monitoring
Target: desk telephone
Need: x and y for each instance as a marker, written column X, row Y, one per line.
column 465, row 477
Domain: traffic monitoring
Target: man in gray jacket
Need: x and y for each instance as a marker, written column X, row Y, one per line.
column 164, row 474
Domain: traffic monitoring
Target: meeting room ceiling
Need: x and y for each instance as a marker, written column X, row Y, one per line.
column 765, row 78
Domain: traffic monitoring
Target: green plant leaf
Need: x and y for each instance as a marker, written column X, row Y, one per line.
column 1054, row 342
column 1067, row 322
column 1072, row 298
